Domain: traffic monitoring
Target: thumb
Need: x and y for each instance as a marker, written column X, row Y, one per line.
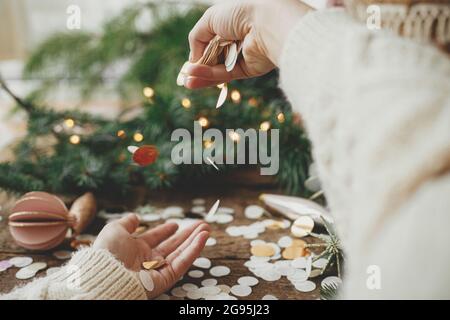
column 130, row 222
column 335, row 3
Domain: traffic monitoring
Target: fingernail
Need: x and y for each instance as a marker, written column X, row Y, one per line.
column 180, row 79
column 191, row 56
column 182, row 75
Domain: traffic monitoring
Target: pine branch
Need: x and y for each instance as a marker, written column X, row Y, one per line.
column 16, row 182
column 26, row 105
column 328, row 291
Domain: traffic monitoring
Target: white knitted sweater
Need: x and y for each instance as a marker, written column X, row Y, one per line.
column 377, row 109
column 90, row 274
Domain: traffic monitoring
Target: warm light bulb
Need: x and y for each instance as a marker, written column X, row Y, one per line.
column 253, row 102
column 235, row 96
column 186, row 103
column 69, row 123
column 121, row 134
column 74, row 139
column 234, row 136
column 148, row 92
column 281, row 117
column 138, row 137
column 208, row 144
column 203, row 121
column 265, row 126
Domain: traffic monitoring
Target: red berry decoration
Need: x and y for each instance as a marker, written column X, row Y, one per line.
column 145, row 155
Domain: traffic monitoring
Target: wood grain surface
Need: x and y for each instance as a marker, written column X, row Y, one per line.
column 229, row 251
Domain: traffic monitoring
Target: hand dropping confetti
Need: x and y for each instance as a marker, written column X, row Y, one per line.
column 218, row 51
column 144, row 155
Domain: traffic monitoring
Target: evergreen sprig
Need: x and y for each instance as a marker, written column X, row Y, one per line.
column 328, row 291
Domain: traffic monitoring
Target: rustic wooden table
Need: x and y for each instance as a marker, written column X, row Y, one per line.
column 229, row 251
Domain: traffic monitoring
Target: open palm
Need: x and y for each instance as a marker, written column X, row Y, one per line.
column 179, row 249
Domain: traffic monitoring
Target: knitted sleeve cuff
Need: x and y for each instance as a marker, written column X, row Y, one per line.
column 95, row 274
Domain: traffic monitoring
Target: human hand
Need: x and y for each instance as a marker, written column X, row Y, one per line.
column 335, row 3
column 178, row 249
column 261, row 25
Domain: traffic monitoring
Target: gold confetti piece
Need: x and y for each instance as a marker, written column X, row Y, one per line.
column 140, row 229
column 221, row 51
column 298, row 243
column 275, row 225
column 76, row 244
column 153, row 264
column 262, row 250
column 293, row 252
column 149, row 264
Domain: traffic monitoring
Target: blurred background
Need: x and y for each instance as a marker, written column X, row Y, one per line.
column 87, row 78
column 26, row 23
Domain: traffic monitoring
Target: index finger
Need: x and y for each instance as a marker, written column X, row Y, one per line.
column 199, row 37
column 155, row 236
column 185, row 259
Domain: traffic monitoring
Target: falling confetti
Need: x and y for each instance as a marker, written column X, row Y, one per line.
column 144, row 155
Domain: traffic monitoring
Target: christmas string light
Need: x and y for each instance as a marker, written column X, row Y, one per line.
column 281, row 117
column 69, row 123
column 234, row 136
column 235, row 96
column 203, row 121
column 74, row 139
column 138, row 137
column 265, row 126
column 208, row 144
column 148, row 92
column 121, row 134
column 186, row 103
